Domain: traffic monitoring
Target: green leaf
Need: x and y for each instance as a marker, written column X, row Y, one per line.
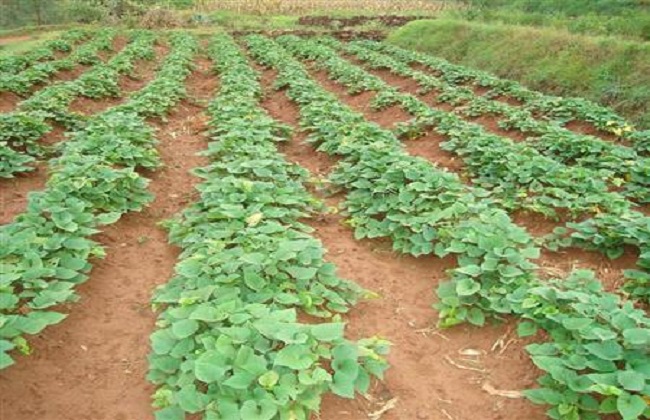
column 269, row 379
column 5, row 360
column 467, row 287
column 630, row 406
column 190, row 400
column 544, row 396
column 65, row 273
column 526, row 329
column 210, row 367
column 36, row 321
column 262, row 410
column 254, row 280
column 470, row 270
column 162, row 341
column 328, row 332
column 608, row 350
column 240, row 380
column 184, row 328
column 637, row 336
column 631, row 380
column 476, row 317
column 343, row 385
column 108, row 218
column 207, row 313
column 170, row 413
column 72, row 263
column 295, row 357
column 574, row 324
column 76, row 243
column 302, row 273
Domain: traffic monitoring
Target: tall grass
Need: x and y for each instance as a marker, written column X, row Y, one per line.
column 608, row 70
column 625, row 18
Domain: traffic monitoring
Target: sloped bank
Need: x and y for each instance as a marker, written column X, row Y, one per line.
column 610, row 71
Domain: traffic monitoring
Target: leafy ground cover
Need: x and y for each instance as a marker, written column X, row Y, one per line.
column 488, row 281
column 229, row 343
column 252, row 319
column 22, row 129
column 49, row 246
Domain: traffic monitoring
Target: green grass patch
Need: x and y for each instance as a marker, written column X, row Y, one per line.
column 608, row 70
column 233, row 21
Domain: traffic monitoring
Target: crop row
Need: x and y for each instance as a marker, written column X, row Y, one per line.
column 228, row 342
column 517, row 175
column 620, row 164
column 64, row 43
column 608, row 231
column 20, row 131
column 47, row 250
column 87, row 53
column 560, row 109
column 595, row 359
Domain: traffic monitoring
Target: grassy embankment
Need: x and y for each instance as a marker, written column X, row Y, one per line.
column 623, row 18
column 609, row 70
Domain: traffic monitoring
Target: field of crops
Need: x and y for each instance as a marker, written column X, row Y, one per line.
column 271, row 228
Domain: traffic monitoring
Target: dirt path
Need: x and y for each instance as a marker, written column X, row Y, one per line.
column 92, row 365
column 6, row 40
column 422, row 380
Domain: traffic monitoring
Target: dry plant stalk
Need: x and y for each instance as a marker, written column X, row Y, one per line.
column 308, row 6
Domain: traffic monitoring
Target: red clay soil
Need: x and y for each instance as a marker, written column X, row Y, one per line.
column 338, row 22
column 13, row 192
column 144, row 72
column 491, row 124
column 92, row 365
column 8, row 101
column 609, row 272
column 343, row 35
column 428, row 147
column 433, row 374
column 584, row 127
column 119, row 42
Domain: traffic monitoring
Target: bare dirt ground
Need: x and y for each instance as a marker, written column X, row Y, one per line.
column 6, row 40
